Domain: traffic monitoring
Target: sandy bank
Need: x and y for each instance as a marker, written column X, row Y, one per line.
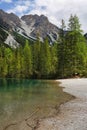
column 73, row 114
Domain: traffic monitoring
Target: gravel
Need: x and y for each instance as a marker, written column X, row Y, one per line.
column 73, row 114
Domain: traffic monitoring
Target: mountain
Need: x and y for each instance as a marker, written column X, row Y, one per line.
column 13, row 28
column 9, row 21
column 41, row 26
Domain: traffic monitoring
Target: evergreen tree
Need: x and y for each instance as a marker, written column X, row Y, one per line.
column 54, row 59
column 45, row 59
column 0, row 61
column 8, row 57
column 22, row 69
column 13, row 65
column 62, row 50
column 27, row 60
column 74, row 24
column 36, row 58
column 74, row 42
column 18, row 64
column 66, row 58
column 3, row 66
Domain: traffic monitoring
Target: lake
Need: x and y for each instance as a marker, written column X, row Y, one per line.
column 28, row 100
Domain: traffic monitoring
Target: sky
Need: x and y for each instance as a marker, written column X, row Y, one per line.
column 55, row 10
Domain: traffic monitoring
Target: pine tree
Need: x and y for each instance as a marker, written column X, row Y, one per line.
column 72, row 49
column 75, row 41
column 36, row 58
column 22, row 67
column 0, row 61
column 54, row 59
column 62, row 50
column 8, row 58
column 74, row 24
column 27, row 60
column 18, row 64
column 3, row 66
column 45, row 59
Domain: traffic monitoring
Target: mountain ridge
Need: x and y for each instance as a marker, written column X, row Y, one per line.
column 28, row 26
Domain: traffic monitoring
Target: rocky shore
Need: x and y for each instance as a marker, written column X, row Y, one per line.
column 73, row 114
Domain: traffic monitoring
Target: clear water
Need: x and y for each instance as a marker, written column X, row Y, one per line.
column 20, row 98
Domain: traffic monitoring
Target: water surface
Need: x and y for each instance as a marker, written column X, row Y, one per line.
column 20, row 98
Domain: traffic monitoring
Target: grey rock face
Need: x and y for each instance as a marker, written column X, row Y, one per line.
column 8, row 21
column 42, row 26
column 30, row 26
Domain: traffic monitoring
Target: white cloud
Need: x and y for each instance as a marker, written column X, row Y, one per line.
column 61, row 9
column 20, row 7
column 55, row 10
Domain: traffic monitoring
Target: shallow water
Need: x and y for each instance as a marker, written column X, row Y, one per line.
column 20, row 98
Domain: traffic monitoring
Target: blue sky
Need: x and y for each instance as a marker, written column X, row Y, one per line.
column 55, row 10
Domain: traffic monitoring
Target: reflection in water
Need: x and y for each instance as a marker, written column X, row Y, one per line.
column 19, row 98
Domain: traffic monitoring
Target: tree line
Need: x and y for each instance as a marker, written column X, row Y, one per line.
column 67, row 57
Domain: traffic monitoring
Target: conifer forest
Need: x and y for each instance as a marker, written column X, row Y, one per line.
column 65, row 58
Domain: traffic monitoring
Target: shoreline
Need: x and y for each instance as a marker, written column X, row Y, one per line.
column 73, row 114
column 31, row 121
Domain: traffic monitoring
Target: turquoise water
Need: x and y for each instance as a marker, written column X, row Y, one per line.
column 20, row 98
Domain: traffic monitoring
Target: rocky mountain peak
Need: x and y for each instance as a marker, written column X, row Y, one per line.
column 28, row 26
column 41, row 26
column 43, row 17
column 14, row 18
column 34, row 18
column 8, row 21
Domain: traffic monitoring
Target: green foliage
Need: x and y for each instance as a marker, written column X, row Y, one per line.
column 36, row 58
column 3, row 35
column 21, row 39
column 27, row 60
column 45, row 59
column 74, row 24
column 72, row 50
column 63, row 59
